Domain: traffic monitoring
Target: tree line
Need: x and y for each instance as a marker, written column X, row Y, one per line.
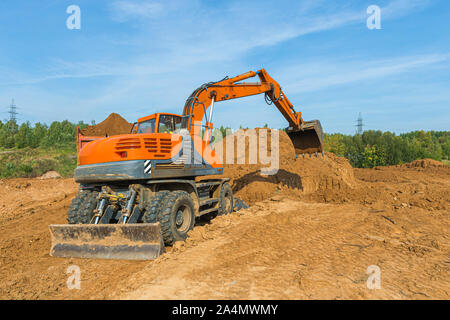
column 375, row 148
column 60, row 134
column 366, row 150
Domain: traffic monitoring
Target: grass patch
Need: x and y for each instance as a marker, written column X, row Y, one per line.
column 30, row 163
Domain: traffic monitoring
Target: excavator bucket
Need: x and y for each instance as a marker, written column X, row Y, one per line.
column 309, row 139
column 141, row 241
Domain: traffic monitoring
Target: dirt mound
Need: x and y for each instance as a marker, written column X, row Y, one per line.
column 332, row 179
column 50, row 175
column 113, row 125
column 296, row 175
column 424, row 163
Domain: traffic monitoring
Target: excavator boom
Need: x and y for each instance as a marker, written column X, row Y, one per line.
column 306, row 136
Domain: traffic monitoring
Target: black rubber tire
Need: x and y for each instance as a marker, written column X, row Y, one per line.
column 72, row 213
column 226, row 193
column 87, row 208
column 153, row 206
column 167, row 216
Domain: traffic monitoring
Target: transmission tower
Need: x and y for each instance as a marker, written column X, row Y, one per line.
column 359, row 124
column 12, row 111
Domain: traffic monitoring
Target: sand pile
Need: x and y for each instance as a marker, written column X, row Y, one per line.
column 424, row 163
column 331, row 178
column 113, row 125
column 296, row 176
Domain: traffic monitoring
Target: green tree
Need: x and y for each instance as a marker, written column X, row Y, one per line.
column 374, row 148
column 39, row 132
column 7, row 133
column 334, row 143
column 24, row 136
column 373, row 156
column 60, row 134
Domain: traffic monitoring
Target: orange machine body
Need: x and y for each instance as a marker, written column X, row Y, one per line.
column 132, row 146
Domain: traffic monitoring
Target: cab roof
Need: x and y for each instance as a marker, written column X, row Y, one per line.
column 153, row 116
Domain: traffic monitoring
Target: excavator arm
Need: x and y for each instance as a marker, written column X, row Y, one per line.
column 306, row 136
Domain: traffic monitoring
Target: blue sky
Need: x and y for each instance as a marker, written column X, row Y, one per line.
column 138, row 57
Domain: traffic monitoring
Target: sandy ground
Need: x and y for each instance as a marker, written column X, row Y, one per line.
column 308, row 240
column 286, row 249
column 311, row 232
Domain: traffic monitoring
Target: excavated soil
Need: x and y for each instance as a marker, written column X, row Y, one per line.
column 113, row 125
column 311, row 232
column 331, row 179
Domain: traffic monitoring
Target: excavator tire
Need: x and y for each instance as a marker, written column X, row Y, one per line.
column 153, row 206
column 88, row 205
column 226, row 200
column 176, row 216
column 72, row 213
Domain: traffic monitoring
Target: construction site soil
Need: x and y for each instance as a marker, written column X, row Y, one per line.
column 311, row 232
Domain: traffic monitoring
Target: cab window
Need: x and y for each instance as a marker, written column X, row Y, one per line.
column 146, row 126
column 177, row 121
column 169, row 123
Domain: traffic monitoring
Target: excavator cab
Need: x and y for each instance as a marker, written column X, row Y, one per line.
column 158, row 123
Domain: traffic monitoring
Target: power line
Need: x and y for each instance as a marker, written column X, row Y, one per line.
column 359, row 124
column 13, row 111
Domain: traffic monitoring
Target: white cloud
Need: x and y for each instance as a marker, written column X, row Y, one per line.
column 314, row 77
column 127, row 10
column 400, row 8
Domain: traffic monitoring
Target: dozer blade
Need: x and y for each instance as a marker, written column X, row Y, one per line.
column 309, row 139
column 141, row 241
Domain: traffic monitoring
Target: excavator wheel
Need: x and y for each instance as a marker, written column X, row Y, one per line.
column 72, row 213
column 176, row 216
column 226, row 200
column 88, row 205
column 153, row 206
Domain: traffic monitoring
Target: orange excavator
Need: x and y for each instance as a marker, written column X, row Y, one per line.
column 138, row 192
